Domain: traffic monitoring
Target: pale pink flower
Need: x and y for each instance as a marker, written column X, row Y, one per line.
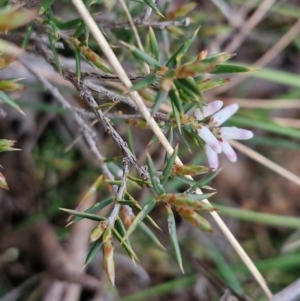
column 215, row 137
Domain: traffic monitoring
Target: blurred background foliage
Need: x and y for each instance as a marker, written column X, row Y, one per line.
column 55, row 168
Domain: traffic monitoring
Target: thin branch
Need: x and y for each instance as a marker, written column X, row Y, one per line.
column 99, row 37
column 136, row 34
column 113, row 78
column 87, row 132
column 90, row 139
column 86, row 95
column 104, row 93
column 290, row 293
column 109, row 129
column 120, row 194
column 185, row 22
column 145, row 15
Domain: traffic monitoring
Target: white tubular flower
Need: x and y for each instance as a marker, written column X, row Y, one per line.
column 216, row 137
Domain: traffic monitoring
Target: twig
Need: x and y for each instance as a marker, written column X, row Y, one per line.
column 114, row 78
column 157, row 131
column 104, row 93
column 133, row 27
column 145, row 15
column 185, row 22
column 290, row 293
column 91, row 142
column 228, row 296
column 120, row 193
column 87, row 96
column 88, row 134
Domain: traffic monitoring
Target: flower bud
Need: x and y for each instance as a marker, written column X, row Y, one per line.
column 126, row 216
column 195, row 219
column 108, row 254
column 97, row 231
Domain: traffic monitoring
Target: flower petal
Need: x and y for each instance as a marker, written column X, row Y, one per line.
column 228, row 151
column 198, row 114
column 212, row 157
column 235, row 133
column 208, row 110
column 212, row 107
column 209, row 138
column 221, row 116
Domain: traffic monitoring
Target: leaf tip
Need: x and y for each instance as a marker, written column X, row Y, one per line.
column 181, row 268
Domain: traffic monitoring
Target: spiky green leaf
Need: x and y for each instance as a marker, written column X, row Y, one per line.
column 168, row 167
column 6, row 99
column 195, row 219
column 139, row 208
column 174, row 96
column 161, row 96
column 10, row 18
column 218, row 58
column 6, row 145
column 154, row 177
column 176, row 57
column 123, row 240
column 191, row 170
column 151, row 236
column 183, row 139
column 54, row 52
column 193, row 201
column 176, row 116
column 173, row 236
column 28, row 33
column 3, row 183
column 211, row 83
column 139, row 218
column 221, row 69
column 46, row 4
column 153, row 44
column 11, row 86
column 145, row 82
column 82, row 215
column 154, row 7
column 203, row 182
column 181, row 11
column 142, row 55
column 93, row 251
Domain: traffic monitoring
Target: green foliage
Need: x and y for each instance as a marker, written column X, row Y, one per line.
column 174, row 87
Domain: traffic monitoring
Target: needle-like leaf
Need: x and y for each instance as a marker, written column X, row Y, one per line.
column 173, row 236
column 176, row 57
column 139, row 218
column 153, row 44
